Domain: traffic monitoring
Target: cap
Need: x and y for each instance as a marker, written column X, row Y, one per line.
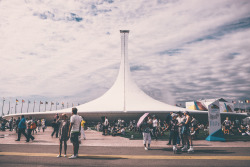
column 174, row 115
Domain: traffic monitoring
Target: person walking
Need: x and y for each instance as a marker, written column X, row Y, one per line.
column 63, row 135
column 30, row 129
column 17, row 122
column 21, row 128
column 11, row 123
column 74, row 132
column 43, row 124
column 39, row 125
column 146, row 133
column 55, row 126
column 82, row 128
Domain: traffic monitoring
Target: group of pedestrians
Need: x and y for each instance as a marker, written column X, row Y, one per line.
column 63, row 128
column 179, row 126
column 24, row 125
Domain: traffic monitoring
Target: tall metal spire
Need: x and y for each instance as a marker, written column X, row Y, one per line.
column 124, row 62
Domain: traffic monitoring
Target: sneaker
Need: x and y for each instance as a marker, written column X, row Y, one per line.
column 17, row 140
column 190, row 150
column 169, row 144
column 146, row 148
column 184, row 148
column 174, row 149
column 73, row 157
column 65, row 155
column 59, row 156
column 27, row 141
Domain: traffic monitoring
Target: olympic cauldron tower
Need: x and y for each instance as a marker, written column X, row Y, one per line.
column 123, row 100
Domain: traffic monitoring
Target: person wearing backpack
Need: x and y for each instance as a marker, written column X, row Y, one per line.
column 29, row 129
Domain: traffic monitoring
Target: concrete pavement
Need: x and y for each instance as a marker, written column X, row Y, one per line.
column 95, row 138
column 99, row 150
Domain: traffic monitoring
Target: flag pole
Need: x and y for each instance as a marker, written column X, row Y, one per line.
column 245, row 106
column 3, row 105
column 9, row 108
column 22, row 107
column 15, row 107
column 34, row 106
column 28, row 106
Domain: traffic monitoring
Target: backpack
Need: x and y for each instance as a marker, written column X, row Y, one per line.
column 33, row 125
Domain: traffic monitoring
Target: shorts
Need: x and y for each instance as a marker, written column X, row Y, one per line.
column 74, row 137
column 146, row 137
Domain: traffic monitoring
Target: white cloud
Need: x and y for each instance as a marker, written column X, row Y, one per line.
column 71, row 49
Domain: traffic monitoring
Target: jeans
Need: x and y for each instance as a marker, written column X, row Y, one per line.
column 29, row 135
column 55, row 131
column 22, row 131
column 175, row 135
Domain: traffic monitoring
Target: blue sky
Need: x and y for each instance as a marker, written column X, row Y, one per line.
column 178, row 50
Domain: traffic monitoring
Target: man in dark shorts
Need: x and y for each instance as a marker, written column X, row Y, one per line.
column 186, row 134
column 74, row 131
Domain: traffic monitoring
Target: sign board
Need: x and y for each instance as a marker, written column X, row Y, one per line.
column 215, row 132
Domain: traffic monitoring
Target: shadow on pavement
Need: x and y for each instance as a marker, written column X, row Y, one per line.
column 213, row 152
column 99, row 157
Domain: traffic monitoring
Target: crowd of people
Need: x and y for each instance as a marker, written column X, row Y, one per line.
column 26, row 126
column 63, row 129
column 235, row 127
column 182, row 128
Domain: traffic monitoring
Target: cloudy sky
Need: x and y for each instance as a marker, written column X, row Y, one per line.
column 69, row 50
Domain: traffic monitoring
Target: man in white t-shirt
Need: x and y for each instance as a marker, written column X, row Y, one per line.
column 74, row 131
column 105, row 125
column 155, row 125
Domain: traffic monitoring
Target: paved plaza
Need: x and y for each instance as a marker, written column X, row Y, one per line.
column 99, row 150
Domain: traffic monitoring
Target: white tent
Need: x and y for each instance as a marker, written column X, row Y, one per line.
column 123, row 100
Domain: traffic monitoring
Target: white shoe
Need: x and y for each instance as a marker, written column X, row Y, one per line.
column 184, row 148
column 146, row 148
column 65, row 155
column 190, row 150
column 59, row 156
column 73, row 157
column 174, row 149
